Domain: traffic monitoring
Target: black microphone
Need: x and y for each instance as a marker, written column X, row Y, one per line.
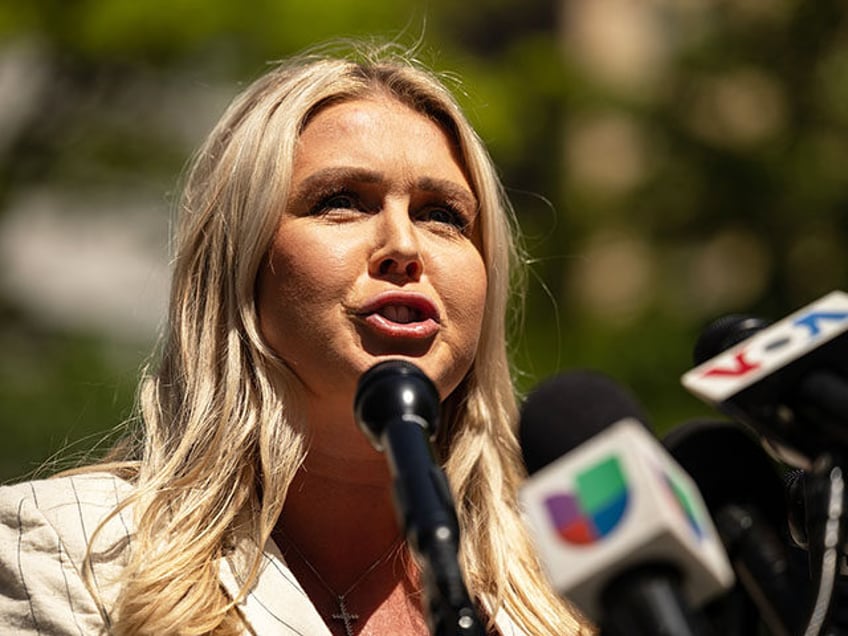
column 787, row 380
column 806, row 528
column 745, row 494
column 789, row 383
column 569, row 409
column 397, row 407
column 620, row 528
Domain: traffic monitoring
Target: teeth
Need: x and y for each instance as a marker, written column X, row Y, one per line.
column 400, row 314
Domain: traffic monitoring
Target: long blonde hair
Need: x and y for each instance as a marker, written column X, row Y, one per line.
column 219, row 440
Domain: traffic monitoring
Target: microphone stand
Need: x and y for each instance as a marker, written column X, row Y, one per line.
column 648, row 602
column 450, row 611
column 425, row 507
column 397, row 407
column 823, row 399
column 826, row 516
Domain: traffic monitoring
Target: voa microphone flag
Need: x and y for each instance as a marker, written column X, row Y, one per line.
column 771, row 379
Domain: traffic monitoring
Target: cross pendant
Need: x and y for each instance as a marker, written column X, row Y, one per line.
column 345, row 617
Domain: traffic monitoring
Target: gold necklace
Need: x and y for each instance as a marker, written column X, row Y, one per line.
column 343, row 615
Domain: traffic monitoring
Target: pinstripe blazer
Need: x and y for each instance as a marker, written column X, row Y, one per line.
column 45, row 527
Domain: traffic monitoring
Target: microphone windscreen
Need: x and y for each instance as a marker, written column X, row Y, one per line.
column 580, row 404
column 723, row 333
column 729, row 466
column 391, row 390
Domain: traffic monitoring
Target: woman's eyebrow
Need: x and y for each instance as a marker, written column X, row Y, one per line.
column 339, row 174
column 343, row 174
column 450, row 189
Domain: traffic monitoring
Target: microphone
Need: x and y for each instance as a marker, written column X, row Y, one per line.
column 743, row 491
column 397, row 407
column 621, row 529
column 806, row 531
column 786, row 381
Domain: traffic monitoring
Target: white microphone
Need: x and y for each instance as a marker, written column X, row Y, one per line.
column 621, row 529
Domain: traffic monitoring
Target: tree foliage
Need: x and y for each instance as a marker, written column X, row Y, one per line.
column 668, row 164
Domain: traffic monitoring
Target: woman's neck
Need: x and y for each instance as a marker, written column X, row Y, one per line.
column 340, row 537
column 338, row 509
column 339, row 532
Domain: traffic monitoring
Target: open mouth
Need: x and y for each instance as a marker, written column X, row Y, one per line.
column 401, row 314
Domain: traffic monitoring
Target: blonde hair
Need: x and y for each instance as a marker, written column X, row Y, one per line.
column 220, row 438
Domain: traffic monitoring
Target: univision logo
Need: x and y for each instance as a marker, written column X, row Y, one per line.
column 596, row 505
column 682, row 500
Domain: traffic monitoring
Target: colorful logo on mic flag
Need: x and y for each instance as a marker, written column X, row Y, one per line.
column 682, row 501
column 596, row 505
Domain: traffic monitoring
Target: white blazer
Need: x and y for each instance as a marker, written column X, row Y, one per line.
column 45, row 527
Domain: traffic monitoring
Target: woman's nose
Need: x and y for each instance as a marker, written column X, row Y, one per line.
column 397, row 253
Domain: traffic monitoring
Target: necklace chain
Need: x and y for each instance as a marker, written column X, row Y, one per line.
column 343, row 614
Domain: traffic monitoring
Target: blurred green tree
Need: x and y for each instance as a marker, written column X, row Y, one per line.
column 668, row 163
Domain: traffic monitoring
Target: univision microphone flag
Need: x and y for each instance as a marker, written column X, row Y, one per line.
column 614, row 503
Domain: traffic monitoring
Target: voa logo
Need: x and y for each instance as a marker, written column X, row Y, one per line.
column 775, row 342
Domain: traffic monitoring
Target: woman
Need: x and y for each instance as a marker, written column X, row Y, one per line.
column 341, row 213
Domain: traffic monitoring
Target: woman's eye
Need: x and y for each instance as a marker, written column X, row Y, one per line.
column 447, row 216
column 336, row 201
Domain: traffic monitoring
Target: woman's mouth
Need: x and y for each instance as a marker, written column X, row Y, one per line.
column 400, row 313
column 401, row 316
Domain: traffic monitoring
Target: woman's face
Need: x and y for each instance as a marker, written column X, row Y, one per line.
column 377, row 254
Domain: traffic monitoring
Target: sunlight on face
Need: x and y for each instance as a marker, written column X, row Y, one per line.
column 377, row 253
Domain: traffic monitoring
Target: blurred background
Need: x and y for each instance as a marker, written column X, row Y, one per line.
column 670, row 161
